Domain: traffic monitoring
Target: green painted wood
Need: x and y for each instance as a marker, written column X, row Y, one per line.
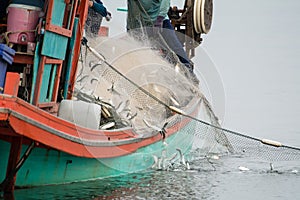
column 44, row 167
column 52, row 82
column 45, row 83
column 58, row 12
column 4, row 155
column 54, row 45
column 70, row 57
column 36, row 62
column 122, row 9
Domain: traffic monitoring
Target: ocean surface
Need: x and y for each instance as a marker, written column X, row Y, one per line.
column 251, row 69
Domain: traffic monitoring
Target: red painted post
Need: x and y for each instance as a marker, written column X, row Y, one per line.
column 12, row 83
column 14, row 157
column 83, row 12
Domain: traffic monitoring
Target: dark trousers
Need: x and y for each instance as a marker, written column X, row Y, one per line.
column 169, row 35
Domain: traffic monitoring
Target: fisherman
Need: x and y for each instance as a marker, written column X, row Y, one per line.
column 154, row 13
column 95, row 14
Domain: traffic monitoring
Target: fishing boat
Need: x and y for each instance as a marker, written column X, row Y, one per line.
column 51, row 132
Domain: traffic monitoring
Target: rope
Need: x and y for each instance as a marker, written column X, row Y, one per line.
column 180, row 112
column 129, row 80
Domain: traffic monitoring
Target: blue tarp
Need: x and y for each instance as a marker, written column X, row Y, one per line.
column 6, row 53
column 6, row 57
column 3, row 67
column 8, row 50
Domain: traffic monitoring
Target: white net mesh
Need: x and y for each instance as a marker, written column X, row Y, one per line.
column 138, row 86
column 143, row 65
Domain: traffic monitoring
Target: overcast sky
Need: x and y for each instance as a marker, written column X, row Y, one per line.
column 255, row 46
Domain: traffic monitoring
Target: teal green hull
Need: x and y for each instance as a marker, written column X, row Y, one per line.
column 47, row 167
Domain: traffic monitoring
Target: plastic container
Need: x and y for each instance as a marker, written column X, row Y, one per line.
column 81, row 113
column 21, row 21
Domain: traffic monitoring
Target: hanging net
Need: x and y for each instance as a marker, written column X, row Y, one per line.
column 141, row 68
column 141, row 84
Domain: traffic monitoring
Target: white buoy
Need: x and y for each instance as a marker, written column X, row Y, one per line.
column 295, row 171
column 241, row 168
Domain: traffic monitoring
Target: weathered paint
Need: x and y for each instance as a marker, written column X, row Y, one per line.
column 70, row 57
column 57, row 133
column 49, row 166
column 55, row 45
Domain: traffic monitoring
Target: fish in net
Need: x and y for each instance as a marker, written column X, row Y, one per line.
column 145, row 86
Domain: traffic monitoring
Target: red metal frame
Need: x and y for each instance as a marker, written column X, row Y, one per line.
column 12, row 81
column 23, row 59
column 82, row 13
column 45, row 60
column 57, row 29
column 14, row 156
column 39, row 80
column 73, row 14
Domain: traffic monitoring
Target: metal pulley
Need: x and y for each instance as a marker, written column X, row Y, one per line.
column 192, row 21
column 202, row 15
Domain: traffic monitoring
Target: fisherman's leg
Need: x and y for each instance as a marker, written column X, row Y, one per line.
column 173, row 42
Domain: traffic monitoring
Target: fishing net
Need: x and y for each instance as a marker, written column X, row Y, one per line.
column 141, row 84
column 147, row 70
column 216, row 138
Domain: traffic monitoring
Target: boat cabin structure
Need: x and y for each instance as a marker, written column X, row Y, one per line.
column 39, row 54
